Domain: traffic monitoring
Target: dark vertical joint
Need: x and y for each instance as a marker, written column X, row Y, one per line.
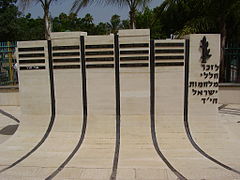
column 50, row 63
column 84, row 83
column 117, row 78
column 118, row 113
column 186, row 81
column 152, row 78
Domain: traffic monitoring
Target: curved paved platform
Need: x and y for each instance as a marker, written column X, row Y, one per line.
column 208, row 132
column 138, row 159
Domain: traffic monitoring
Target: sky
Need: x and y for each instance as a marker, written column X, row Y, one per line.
column 99, row 12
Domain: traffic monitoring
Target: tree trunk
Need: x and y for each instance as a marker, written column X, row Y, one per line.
column 223, row 63
column 132, row 14
column 47, row 23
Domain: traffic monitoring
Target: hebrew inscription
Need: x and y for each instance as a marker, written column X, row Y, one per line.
column 207, row 89
column 203, row 87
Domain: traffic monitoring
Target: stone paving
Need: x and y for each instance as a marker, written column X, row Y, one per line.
column 138, row 159
column 217, row 135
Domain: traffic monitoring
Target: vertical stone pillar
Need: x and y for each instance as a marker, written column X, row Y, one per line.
column 134, row 71
column 34, row 82
column 203, row 81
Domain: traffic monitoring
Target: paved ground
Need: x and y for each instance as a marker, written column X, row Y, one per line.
column 217, row 135
column 8, row 126
column 138, row 159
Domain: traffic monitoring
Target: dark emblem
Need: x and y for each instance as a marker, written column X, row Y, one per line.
column 205, row 51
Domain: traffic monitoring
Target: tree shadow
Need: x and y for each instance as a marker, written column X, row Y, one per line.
column 9, row 130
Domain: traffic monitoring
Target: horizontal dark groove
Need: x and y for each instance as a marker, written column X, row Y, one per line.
column 99, row 59
column 66, row 67
column 170, row 64
column 134, row 65
column 169, row 51
column 31, row 55
column 122, row 65
column 32, row 67
column 31, row 49
column 100, row 65
column 66, row 60
column 169, row 57
column 31, row 61
column 169, row 44
column 55, row 48
column 99, row 53
column 102, row 46
column 135, row 52
column 66, row 54
column 135, row 58
column 134, row 45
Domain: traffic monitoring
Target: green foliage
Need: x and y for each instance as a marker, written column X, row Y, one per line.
column 116, row 24
column 71, row 22
column 102, row 29
column 200, row 16
column 198, row 25
column 45, row 4
column 15, row 27
column 8, row 20
column 172, row 14
column 125, row 24
column 65, row 22
column 29, row 28
column 178, row 17
column 148, row 19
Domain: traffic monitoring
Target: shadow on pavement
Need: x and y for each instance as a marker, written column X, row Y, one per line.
column 9, row 130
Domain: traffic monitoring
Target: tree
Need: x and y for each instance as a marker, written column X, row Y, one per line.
column 206, row 16
column 148, row 20
column 172, row 15
column 221, row 12
column 8, row 20
column 66, row 22
column 29, row 28
column 87, row 24
column 132, row 4
column 71, row 22
column 115, row 23
column 125, row 24
column 45, row 5
column 102, row 29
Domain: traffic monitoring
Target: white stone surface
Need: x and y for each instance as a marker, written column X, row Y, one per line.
column 217, row 134
column 196, row 105
column 9, row 98
column 67, row 35
column 34, row 85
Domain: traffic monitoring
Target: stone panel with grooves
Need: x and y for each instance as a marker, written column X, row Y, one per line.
column 99, row 55
column 134, row 47
column 34, row 83
column 67, row 76
column 134, row 71
column 204, row 74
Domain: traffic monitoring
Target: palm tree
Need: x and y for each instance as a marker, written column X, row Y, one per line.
column 132, row 4
column 45, row 5
column 115, row 23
